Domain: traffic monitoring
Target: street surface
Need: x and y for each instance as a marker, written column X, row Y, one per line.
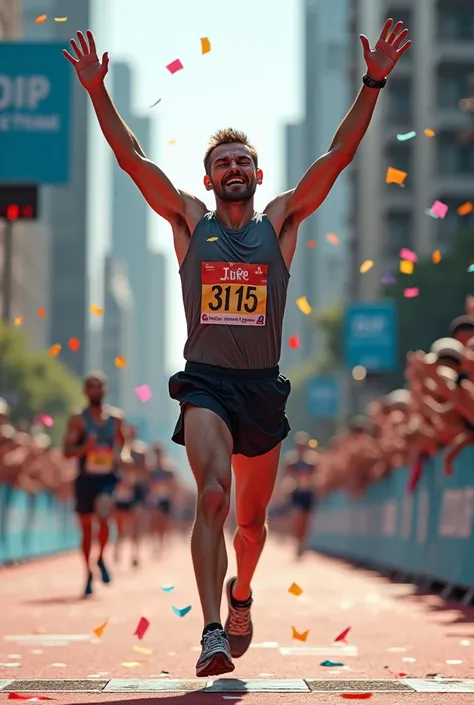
column 46, row 632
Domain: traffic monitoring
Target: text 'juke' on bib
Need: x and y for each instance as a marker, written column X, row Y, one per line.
column 233, row 294
column 100, row 461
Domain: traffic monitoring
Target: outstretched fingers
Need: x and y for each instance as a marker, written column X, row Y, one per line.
column 90, row 38
column 403, row 48
column 386, row 29
column 70, row 58
column 394, row 33
column 76, row 49
column 83, row 43
column 398, row 40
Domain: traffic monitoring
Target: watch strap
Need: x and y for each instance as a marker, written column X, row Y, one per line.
column 372, row 83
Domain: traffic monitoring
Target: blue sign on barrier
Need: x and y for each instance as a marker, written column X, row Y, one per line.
column 35, row 113
column 370, row 336
column 323, row 397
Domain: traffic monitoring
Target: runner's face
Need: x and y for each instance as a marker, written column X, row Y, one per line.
column 234, row 176
column 95, row 392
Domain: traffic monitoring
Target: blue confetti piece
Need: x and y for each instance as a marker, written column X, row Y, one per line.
column 470, row 268
column 182, row 612
column 388, row 279
column 428, row 211
column 167, row 588
column 331, row 664
column 407, row 136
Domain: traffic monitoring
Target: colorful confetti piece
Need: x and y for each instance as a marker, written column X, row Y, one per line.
column 439, row 209
column 470, row 268
column 299, row 636
column 303, row 305
column 311, row 244
column 183, row 611
column 406, row 267
column 433, row 215
column 41, row 19
column 331, row 664
column 60, row 19
column 407, row 136
column 429, row 133
column 411, row 293
column 142, row 626
column 18, row 321
column 366, row 266
column 143, row 392
column 131, row 664
column 142, row 650
column 395, row 176
column 387, row 278
column 333, row 239
column 55, row 350
column 408, row 255
column 343, row 635
column 356, row 696
column 212, row 239
column 294, row 342
column 74, row 344
column 46, row 420
column 295, row 589
column 31, row 698
column 98, row 631
column 436, row 257
column 120, row 361
column 167, row 588
column 465, row 208
column 41, row 312
column 96, row 310
column 205, row 45
column 175, row 66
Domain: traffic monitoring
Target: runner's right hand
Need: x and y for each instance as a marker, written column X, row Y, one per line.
column 90, row 71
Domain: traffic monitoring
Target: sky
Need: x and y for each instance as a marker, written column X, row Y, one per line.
column 250, row 80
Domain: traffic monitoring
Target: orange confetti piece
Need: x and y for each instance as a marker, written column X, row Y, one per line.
column 74, row 344
column 365, row 266
column 98, row 631
column 18, row 321
column 429, row 133
column 205, row 45
column 299, row 636
column 436, row 257
column 41, row 312
column 120, row 361
column 303, row 305
column 295, row 589
column 395, row 176
column 55, row 350
column 41, row 19
column 333, row 239
column 466, row 208
column 311, row 244
column 406, row 267
column 294, row 342
column 313, row 443
column 96, row 310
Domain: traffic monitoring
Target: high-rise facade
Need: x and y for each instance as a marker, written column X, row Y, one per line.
column 10, row 19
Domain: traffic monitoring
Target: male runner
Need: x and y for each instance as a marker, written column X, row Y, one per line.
column 301, row 465
column 96, row 437
column 234, row 266
column 161, row 496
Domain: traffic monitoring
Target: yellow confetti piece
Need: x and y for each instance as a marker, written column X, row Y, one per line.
column 295, row 589
column 170, row 142
column 466, row 208
column 55, row 350
column 142, row 650
column 98, row 631
column 313, row 443
column 133, row 664
column 333, row 239
column 120, row 361
column 205, row 45
column 18, row 321
column 365, row 266
column 395, row 176
column 299, row 636
column 60, row 19
column 303, row 305
column 436, row 257
column 212, row 239
column 41, row 19
column 96, row 310
column 429, row 133
column 406, row 267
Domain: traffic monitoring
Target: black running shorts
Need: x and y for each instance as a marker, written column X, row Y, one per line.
column 251, row 402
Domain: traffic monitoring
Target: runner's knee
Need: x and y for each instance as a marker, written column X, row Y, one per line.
column 253, row 531
column 214, row 495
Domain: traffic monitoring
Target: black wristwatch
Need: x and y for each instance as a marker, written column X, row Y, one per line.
column 372, row 83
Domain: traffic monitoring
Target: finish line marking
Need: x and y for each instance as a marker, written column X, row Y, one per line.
column 230, row 685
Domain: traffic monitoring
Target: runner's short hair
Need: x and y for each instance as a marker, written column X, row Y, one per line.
column 95, row 376
column 228, row 136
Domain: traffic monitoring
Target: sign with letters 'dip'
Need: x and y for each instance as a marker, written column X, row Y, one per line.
column 370, row 336
column 322, row 397
column 35, row 113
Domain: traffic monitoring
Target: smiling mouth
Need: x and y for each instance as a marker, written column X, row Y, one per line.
column 235, row 181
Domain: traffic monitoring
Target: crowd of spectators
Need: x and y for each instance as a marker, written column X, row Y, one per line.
column 435, row 412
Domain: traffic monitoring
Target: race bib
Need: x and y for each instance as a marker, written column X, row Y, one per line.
column 233, row 294
column 100, row 461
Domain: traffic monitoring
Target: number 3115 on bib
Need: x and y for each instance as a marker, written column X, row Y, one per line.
column 233, row 294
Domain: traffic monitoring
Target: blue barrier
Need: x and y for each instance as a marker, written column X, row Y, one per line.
column 428, row 533
column 34, row 525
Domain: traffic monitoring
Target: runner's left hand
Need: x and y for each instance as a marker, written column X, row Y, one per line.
column 391, row 45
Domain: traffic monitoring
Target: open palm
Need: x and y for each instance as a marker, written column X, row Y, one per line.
column 90, row 71
column 391, row 45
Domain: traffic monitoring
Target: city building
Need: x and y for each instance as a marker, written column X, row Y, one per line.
column 63, row 209
column 427, row 91
column 10, row 19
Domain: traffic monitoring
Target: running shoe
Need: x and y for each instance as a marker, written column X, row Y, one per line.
column 88, row 590
column 238, row 627
column 215, row 658
column 104, row 573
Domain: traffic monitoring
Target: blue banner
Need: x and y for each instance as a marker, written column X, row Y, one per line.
column 323, row 396
column 370, row 336
column 35, row 113
column 427, row 533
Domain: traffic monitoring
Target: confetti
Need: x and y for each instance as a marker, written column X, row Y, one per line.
column 294, row 342
column 331, row 664
column 183, row 611
column 409, row 659
column 303, row 305
column 167, row 588
column 175, row 66
column 436, row 257
column 295, row 590
column 170, row 142
column 59, row 665
column 408, row 255
column 98, row 631
column 333, row 239
column 454, row 662
column 55, row 350
column 154, row 104
column 466, row 208
column 311, row 244
column 429, row 133
column 60, row 19
column 365, row 266
column 131, row 664
column 19, row 696
column 407, row 136
column 406, row 267
column 74, row 344
column 18, row 321
column 41, row 312
column 433, row 215
column 395, row 176
column 96, row 310
column 205, row 45
column 411, row 293
column 142, row 650
column 387, row 278
column 439, row 209
column 46, row 420
column 342, row 636
column 120, row 361
column 143, row 392
column 313, row 443
column 299, row 636
column 142, row 626
column 356, row 696
column 465, row 642
column 41, row 19
column 212, row 239
column 470, row 268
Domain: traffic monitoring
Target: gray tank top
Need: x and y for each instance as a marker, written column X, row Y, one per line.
column 234, row 285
